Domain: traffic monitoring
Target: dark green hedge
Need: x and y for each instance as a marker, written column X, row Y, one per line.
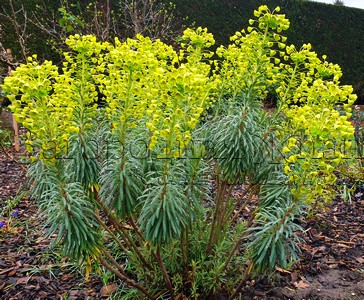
column 333, row 30
column 336, row 31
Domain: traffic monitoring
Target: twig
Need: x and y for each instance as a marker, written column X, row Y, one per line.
column 119, row 228
column 164, row 272
column 249, row 223
column 242, row 282
column 11, row 157
column 20, row 29
column 126, row 279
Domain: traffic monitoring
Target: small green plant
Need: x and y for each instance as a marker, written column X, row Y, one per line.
column 10, row 211
column 52, row 264
column 5, row 138
column 351, row 174
column 126, row 186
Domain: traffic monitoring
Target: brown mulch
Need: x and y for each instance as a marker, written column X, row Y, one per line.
column 29, row 267
column 331, row 267
column 332, row 263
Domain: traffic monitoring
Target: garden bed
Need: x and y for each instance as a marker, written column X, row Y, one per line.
column 125, row 188
column 331, row 267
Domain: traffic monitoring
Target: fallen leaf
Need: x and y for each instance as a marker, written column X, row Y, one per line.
column 6, row 271
column 301, row 285
column 318, row 249
column 294, row 276
column 306, row 247
column 108, row 290
column 360, row 260
column 74, row 295
column 333, row 266
column 343, row 246
column 67, row 276
column 282, row 270
column 64, row 259
column 23, row 280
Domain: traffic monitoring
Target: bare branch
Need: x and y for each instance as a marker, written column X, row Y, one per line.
column 150, row 18
column 19, row 26
column 50, row 26
column 104, row 18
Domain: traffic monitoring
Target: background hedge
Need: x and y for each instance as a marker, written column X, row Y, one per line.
column 337, row 31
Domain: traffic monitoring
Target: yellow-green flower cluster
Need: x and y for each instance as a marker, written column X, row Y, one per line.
column 323, row 140
column 84, row 46
column 306, row 79
column 251, row 61
column 131, row 76
column 177, row 112
column 317, row 109
column 52, row 104
column 30, row 89
column 184, row 97
column 195, row 44
column 76, row 86
column 145, row 83
column 270, row 20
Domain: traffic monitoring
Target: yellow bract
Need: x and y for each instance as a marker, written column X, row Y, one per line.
column 310, row 92
column 145, row 83
column 150, row 87
column 34, row 104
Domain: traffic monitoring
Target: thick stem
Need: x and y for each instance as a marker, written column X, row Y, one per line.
column 184, row 254
column 250, row 189
column 125, row 235
column 221, row 216
column 242, row 282
column 224, row 213
column 114, row 237
column 129, row 281
column 136, row 230
column 249, row 223
column 115, row 263
column 218, row 203
column 164, row 272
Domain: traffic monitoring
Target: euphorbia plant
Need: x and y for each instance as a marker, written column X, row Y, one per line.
column 117, row 167
column 318, row 110
column 124, row 182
